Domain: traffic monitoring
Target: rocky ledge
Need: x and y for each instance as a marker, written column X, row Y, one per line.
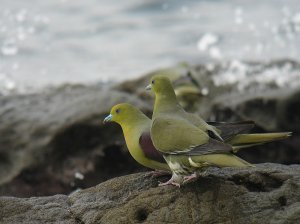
column 269, row 193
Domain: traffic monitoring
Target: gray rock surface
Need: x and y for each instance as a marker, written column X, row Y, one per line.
column 269, row 193
column 46, row 138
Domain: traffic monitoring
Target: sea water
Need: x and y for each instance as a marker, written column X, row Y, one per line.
column 52, row 42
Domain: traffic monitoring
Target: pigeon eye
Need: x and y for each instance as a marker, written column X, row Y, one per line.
column 153, row 82
column 117, row 111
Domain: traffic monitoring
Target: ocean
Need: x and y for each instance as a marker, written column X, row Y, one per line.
column 54, row 42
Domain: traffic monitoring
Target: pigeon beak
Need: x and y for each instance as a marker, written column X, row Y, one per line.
column 107, row 119
column 148, row 87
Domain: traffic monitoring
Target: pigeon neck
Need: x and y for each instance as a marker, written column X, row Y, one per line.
column 135, row 122
column 165, row 104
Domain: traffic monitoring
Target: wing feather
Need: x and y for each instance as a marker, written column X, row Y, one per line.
column 230, row 129
column 171, row 134
column 212, row 147
column 149, row 149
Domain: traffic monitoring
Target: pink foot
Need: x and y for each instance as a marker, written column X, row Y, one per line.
column 169, row 182
column 157, row 173
column 189, row 178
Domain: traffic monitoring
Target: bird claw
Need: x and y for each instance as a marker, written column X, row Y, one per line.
column 189, row 178
column 169, row 182
column 157, row 173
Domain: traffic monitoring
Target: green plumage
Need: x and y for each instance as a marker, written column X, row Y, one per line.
column 188, row 142
column 172, row 134
column 134, row 123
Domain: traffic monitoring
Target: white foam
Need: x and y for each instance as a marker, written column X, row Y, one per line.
column 206, row 41
column 215, row 52
column 245, row 75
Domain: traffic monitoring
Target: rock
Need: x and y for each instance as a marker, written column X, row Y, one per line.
column 47, row 138
column 269, row 193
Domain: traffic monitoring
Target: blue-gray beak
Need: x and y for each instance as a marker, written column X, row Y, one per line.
column 107, row 119
column 148, row 87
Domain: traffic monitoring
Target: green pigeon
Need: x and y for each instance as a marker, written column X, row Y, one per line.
column 136, row 129
column 187, row 142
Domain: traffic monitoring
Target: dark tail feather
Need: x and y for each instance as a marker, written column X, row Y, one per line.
column 230, row 129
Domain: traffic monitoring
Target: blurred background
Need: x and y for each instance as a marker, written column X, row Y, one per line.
column 64, row 41
column 64, row 63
